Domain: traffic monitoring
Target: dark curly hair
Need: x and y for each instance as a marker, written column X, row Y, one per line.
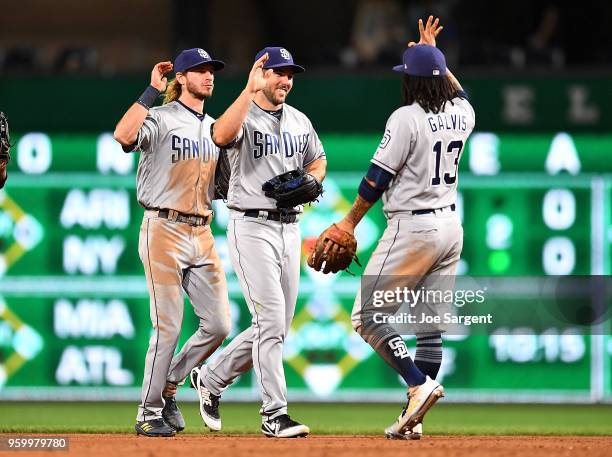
column 431, row 93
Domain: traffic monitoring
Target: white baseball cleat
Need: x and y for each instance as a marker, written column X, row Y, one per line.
column 420, row 399
column 415, row 434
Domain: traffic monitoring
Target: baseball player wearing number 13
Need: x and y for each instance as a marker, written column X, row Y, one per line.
column 414, row 170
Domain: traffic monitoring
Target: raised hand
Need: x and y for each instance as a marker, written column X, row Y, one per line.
column 429, row 32
column 256, row 80
column 158, row 80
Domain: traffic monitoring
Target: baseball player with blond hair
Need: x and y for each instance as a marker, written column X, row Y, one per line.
column 265, row 138
column 414, row 170
column 175, row 186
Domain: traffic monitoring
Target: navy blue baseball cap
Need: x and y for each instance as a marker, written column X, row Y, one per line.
column 190, row 58
column 279, row 58
column 422, row 60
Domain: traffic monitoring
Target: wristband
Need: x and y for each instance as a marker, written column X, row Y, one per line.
column 148, row 97
column 369, row 193
column 379, row 176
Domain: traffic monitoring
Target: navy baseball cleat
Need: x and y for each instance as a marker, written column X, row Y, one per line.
column 154, row 428
column 209, row 402
column 283, row 427
column 420, row 399
column 172, row 414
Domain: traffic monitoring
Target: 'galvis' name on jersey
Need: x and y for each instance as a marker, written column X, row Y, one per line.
column 447, row 122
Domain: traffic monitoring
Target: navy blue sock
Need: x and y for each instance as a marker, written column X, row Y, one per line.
column 395, row 353
column 428, row 357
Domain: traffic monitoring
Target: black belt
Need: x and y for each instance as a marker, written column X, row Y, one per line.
column 430, row 211
column 190, row 219
column 279, row 216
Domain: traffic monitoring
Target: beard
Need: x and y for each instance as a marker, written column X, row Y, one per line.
column 197, row 91
column 272, row 97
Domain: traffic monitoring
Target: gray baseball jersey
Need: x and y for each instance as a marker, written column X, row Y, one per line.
column 422, row 250
column 266, row 147
column 171, row 138
column 176, row 171
column 422, row 150
column 265, row 254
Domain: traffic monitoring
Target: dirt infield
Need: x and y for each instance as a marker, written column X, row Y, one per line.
column 332, row 446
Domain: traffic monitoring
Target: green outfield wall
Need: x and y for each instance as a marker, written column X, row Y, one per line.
column 74, row 313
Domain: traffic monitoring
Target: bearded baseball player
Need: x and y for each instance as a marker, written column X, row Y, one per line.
column 414, row 170
column 275, row 154
column 175, row 186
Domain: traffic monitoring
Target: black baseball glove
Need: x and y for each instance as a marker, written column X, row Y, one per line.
column 293, row 188
column 5, row 139
column 222, row 176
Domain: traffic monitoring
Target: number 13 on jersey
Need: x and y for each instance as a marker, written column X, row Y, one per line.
column 441, row 163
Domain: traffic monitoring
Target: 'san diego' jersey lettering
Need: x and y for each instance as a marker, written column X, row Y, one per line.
column 177, row 161
column 266, row 147
column 267, row 144
column 188, row 149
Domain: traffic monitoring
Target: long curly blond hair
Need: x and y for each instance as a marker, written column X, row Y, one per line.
column 173, row 91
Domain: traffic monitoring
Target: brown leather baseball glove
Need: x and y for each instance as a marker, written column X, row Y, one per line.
column 336, row 249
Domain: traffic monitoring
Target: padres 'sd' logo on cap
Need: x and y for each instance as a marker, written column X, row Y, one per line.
column 285, row 54
column 203, row 54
